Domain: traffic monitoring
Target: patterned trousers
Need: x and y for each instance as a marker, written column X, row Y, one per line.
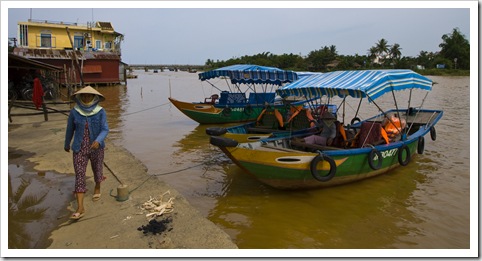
column 81, row 160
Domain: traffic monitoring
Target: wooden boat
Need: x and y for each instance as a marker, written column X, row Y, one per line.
column 270, row 123
column 232, row 105
column 362, row 152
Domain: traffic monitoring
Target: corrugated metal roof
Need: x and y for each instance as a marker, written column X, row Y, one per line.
column 64, row 54
column 16, row 61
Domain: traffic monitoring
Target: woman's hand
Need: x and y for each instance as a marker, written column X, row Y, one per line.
column 95, row 145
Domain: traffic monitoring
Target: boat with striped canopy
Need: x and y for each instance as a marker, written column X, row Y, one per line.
column 361, row 149
column 232, row 105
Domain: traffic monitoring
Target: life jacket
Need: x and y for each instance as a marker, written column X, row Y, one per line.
column 276, row 113
column 393, row 127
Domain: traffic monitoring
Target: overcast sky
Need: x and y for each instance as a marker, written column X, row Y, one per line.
column 160, row 35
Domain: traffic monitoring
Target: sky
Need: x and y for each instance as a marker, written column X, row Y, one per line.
column 193, row 32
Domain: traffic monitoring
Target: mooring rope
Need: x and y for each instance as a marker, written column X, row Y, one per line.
column 166, row 173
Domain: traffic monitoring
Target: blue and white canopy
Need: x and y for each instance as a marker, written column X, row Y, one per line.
column 247, row 73
column 366, row 83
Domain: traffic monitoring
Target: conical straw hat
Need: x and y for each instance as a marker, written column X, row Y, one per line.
column 89, row 89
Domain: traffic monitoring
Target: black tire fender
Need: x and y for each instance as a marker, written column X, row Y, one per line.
column 223, row 142
column 314, row 171
column 216, row 131
column 421, row 145
column 248, row 110
column 433, row 133
column 371, row 155
column 400, row 155
column 354, row 119
column 227, row 112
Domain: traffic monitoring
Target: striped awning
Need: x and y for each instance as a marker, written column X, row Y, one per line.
column 371, row 83
column 247, row 73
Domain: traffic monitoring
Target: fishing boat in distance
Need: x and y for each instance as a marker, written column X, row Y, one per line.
column 360, row 150
column 232, row 105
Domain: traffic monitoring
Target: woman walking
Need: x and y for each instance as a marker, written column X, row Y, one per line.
column 87, row 125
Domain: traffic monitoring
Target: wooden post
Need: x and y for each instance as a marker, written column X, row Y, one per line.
column 76, row 60
column 46, row 113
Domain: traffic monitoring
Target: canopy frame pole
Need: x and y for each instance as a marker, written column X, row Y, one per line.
column 343, row 114
column 418, row 110
column 227, row 83
column 398, row 112
column 213, row 86
column 409, row 99
column 359, row 105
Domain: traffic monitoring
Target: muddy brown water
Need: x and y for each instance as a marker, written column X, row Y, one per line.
column 425, row 205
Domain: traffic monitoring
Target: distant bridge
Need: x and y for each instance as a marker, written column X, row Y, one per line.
column 162, row 67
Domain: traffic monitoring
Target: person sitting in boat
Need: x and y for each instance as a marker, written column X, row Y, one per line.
column 328, row 131
column 393, row 126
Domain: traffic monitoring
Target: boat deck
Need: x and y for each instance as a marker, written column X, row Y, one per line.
column 416, row 118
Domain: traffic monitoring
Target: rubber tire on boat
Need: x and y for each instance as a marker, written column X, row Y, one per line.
column 314, row 171
column 227, row 112
column 433, row 133
column 223, row 142
column 215, row 131
column 248, row 110
column 421, row 145
column 370, row 159
column 400, row 155
column 354, row 119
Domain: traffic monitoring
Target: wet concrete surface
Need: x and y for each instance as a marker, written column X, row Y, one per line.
column 36, row 152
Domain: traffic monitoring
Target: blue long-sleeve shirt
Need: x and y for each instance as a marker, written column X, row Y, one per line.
column 98, row 129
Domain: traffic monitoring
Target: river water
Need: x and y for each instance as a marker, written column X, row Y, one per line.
column 425, row 205
column 422, row 206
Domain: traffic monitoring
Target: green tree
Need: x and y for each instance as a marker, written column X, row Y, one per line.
column 456, row 48
column 318, row 59
column 382, row 48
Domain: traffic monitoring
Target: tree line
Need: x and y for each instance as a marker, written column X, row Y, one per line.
column 454, row 54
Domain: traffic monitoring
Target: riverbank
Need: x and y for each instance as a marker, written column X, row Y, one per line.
column 110, row 223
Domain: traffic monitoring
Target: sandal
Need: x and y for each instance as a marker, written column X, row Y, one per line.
column 96, row 197
column 77, row 215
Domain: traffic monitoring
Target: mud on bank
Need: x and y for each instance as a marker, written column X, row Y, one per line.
column 108, row 223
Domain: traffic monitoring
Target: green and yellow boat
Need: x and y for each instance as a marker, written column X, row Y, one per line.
column 360, row 150
column 259, row 82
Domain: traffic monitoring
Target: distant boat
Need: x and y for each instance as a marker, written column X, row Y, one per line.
column 359, row 151
column 232, row 105
column 155, row 71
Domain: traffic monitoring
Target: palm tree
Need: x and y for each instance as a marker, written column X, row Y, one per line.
column 382, row 47
column 381, row 50
column 20, row 212
column 395, row 51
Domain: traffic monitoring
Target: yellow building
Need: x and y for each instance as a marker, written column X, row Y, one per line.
column 96, row 47
column 96, row 36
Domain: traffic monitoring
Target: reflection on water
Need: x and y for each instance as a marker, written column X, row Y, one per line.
column 422, row 205
column 30, row 195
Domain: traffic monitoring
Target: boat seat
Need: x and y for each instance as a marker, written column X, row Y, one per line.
column 370, row 134
column 261, row 98
column 212, row 99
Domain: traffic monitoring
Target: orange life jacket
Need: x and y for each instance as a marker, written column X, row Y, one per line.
column 393, row 127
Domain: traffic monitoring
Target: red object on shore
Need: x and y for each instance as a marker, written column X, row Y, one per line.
column 38, row 93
